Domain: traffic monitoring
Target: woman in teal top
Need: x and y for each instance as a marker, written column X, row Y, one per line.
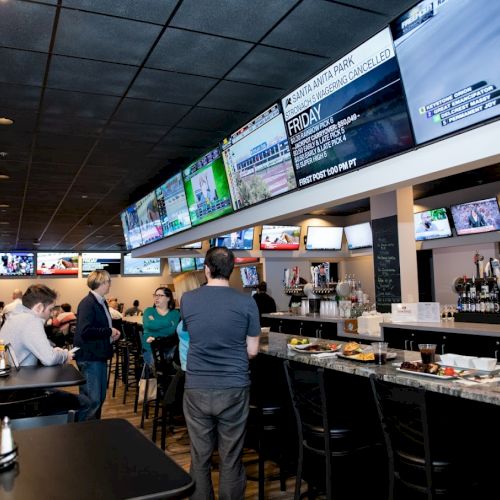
column 161, row 320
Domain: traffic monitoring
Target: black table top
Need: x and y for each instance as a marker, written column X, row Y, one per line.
column 41, row 377
column 100, row 459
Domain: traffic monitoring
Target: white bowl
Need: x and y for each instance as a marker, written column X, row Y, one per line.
column 449, row 359
column 486, row 364
column 465, row 361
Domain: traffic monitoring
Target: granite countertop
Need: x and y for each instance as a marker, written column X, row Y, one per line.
column 276, row 345
column 486, row 329
column 299, row 317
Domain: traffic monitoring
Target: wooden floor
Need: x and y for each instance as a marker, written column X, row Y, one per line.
column 178, row 447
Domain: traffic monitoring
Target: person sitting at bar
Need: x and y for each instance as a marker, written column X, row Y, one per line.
column 16, row 303
column 134, row 310
column 64, row 318
column 24, row 329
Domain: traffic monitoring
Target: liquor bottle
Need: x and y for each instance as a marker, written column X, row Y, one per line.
column 496, row 304
column 459, row 304
column 3, row 356
column 466, row 302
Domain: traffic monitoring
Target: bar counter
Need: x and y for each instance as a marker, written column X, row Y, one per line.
column 484, row 329
column 276, row 345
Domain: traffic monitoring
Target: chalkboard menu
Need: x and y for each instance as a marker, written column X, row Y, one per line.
column 386, row 262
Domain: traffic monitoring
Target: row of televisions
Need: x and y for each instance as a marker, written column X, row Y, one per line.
column 67, row 264
column 375, row 102
column 249, row 275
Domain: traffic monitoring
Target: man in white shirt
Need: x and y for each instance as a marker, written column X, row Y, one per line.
column 16, row 302
column 24, row 329
column 113, row 308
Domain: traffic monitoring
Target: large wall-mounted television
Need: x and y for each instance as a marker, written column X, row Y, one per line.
column 188, row 264
column 324, row 238
column 280, row 238
column 57, row 263
column 131, row 227
column 359, row 236
column 351, row 114
column 96, row 261
column 174, row 265
column 448, row 56
column 17, row 264
column 149, row 219
column 479, row 216
column 237, row 240
column 172, row 205
column 199, row 263
column 432, row 224
column 258, row 160
column 246, row 260
column 147, row 266
column 207, row 189
column 249, row 276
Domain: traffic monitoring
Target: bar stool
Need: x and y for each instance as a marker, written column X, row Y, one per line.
column 423, row 457
column 327, row 443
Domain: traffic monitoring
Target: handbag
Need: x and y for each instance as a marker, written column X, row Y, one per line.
column 148, row 385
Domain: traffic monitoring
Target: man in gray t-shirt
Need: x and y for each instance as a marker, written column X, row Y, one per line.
column 224, row 328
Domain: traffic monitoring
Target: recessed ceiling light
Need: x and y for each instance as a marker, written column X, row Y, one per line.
column 4, row 205
column 114, row 225
column 84, row 196
column 4, row 222
column 99, row 236
column 5, row 121
column 4, row 177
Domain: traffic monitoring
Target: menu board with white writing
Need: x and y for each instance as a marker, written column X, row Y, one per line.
column 351, row 114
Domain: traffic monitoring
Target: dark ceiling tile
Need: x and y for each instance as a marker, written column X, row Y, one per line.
column 24, row 120
column 117, row 152
column 276, row 67
column 63, row 102
column 240, row 97
column 213, row 119
column 390, row 8
column 26, row 25
column 71, row 125
column 170, row 87
column 89, row 76
column 105, row 38
column 324, row 28
column 189, row 52
column 134, row 132
column 11, row 138
column 58, row 155
column 168, row 152
column 51, row 140
column 19, row 96
column 26, row 68
column 154, row 11
column 141, row 111
column 192, row 138
column 232, row 18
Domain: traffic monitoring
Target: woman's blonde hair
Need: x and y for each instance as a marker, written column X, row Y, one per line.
column 97, row 278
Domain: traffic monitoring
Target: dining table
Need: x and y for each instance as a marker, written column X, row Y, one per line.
column 98, row 459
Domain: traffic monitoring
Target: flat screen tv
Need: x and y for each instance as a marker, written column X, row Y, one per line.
column 199, row 263
column 207, row 189
column 448, row 56
column 359, row 236
column 148, row 266
column 57, row 263
column 149, row 219
column 17, row 264
column 172, row 205
column 188, row 264
column 324, row 238
column 94, row 261
column 237, row 240
column 174, row 265
column 280, row 238
column 351, row 114
column 249, row 276
column 432, row 224
column 131, row 228
column 246, row 260
column 258, row 160
column 479, row 216
column 196, row 245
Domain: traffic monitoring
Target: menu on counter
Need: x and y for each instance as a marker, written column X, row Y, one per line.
column 404, row 312
column 428, row 312
column 386, row 262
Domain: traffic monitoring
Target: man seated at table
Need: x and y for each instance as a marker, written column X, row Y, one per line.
column 24, row 331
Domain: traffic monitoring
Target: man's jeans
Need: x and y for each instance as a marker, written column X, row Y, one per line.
column 96, row 375
column 217, row 416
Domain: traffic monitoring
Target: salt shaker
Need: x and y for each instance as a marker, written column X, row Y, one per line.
column 8, row 449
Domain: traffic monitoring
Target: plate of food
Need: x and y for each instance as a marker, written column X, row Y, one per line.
column 314, row 348
column 432, row 370
column 354, row 351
